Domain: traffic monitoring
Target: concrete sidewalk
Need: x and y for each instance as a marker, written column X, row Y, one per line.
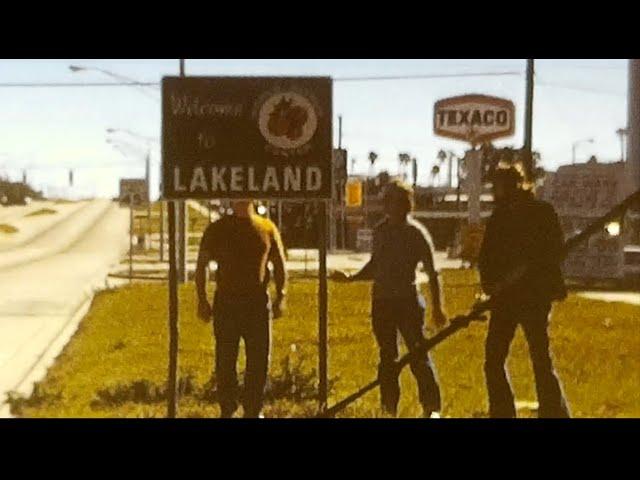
column 632, row 298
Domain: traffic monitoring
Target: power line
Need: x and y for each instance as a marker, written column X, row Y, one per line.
column 78, row 84
column 428, row 76
column 336, row 79
column 583, row 89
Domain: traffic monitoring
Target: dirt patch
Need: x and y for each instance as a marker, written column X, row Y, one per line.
column 42, row 211
column 6, row 228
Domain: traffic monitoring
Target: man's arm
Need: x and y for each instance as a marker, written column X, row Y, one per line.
column 487, row 280
column 365, row 273
column 277, row 258
column 428, row 264
column 204, row 257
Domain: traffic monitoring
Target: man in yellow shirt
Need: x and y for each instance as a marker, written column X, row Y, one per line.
column 242, row 244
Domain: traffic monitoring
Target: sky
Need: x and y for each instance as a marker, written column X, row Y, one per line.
column 48, row 130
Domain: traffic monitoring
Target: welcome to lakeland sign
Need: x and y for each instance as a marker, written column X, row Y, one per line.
column 246, row 137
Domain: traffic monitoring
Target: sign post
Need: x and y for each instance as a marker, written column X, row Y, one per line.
column 249, row 138
column 130, row 238
column 323, row 321
column 133, row 192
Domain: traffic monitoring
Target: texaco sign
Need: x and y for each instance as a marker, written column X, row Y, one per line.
column 474, row 118
column 246, row 137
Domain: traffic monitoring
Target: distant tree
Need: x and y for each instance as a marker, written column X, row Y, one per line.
column 493, row 157
column 404, row 159
column 373, row 157
column 435, row 173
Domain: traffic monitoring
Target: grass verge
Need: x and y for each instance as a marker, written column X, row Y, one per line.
column 116, row 364
column 8, row 229
column 42, row 211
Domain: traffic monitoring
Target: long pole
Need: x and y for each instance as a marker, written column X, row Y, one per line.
column 322, row 310
column 528, row 122
column 479, row 308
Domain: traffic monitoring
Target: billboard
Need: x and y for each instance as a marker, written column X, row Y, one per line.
column 474, row 118
column 134, row 191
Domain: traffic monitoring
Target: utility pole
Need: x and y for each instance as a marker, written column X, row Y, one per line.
column 621, row 132
column 528, row 122
column 632, row 167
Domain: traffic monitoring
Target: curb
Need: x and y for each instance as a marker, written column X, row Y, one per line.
column 55, row 347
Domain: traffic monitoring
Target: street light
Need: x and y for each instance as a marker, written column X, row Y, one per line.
column 133, row 134
column 135, row 83
column 575, row 144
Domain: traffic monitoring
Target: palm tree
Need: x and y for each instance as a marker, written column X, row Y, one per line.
column 373, row 157
column 404, row 159
column 442, row 157
column 414, row 164
column 435, row 172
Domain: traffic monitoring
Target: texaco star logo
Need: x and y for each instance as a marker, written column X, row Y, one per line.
column 287, row 120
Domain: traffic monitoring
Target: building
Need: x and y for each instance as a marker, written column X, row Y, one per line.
column 580, row 194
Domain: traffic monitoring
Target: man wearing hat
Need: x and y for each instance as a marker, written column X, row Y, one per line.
column 522, row 234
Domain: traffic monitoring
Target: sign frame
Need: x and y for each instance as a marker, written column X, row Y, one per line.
column 272, row 136
column 480, row 99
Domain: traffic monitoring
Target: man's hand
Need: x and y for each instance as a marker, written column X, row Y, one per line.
column 204, row 310
column 340, row 276
column 278, row 307
column 439, row 318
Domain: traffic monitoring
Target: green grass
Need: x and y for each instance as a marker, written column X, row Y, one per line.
column 42, row 211
column 8, row 229
column 116, row 364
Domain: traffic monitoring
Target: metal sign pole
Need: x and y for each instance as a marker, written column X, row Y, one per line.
column 172, row 392
column 322, row 309
column 474, row 185
column 528, row 123
column 183, row 213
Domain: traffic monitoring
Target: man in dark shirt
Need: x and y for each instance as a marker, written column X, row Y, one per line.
column 399, row 244
column 522, row 235
column 241, row 244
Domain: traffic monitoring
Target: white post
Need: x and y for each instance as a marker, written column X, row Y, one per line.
column 474, row 184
